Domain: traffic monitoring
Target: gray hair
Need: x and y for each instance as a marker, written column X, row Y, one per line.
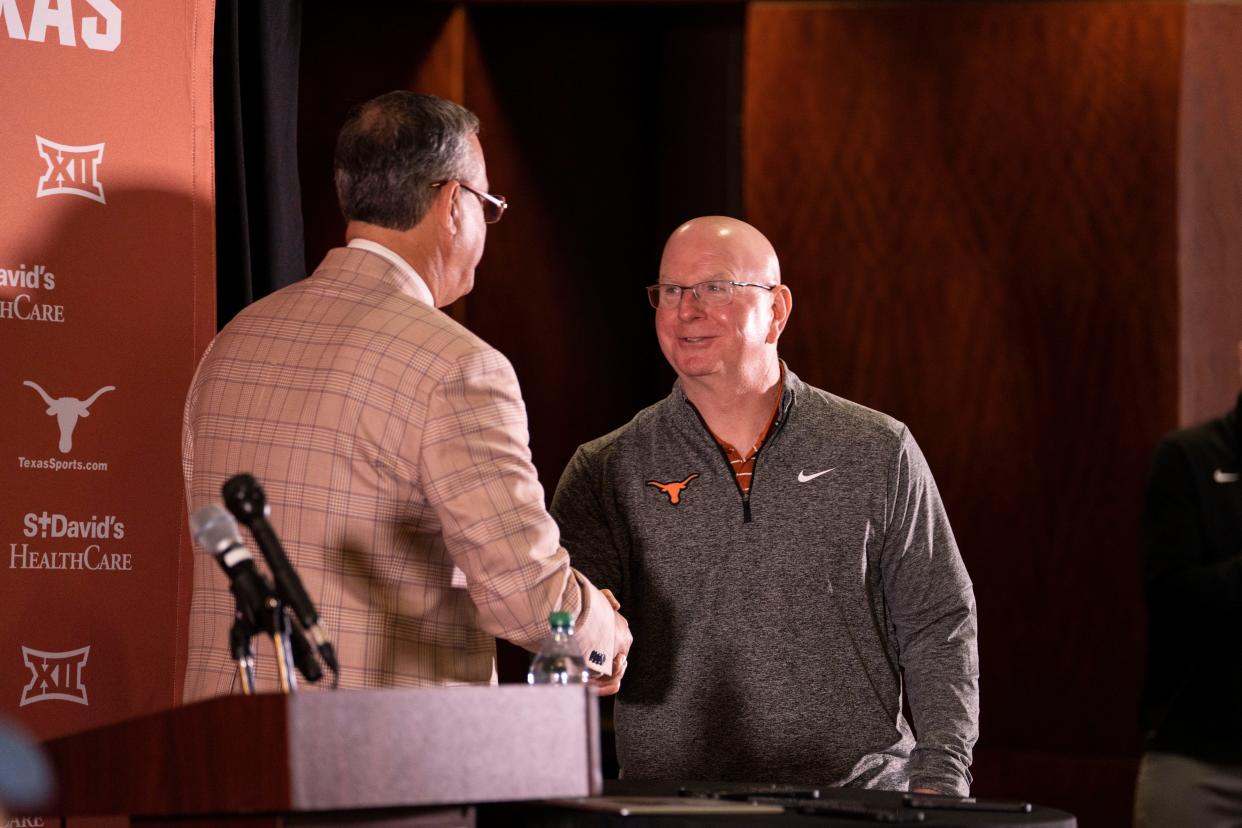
column 390, row 152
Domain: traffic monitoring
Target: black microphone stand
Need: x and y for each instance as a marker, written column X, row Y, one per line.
column 258, row 606
column 281, row 632
column 239, row 644
column 245, row 498
column 270, row 618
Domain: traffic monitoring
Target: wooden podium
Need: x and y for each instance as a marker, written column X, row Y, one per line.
column 382, row 757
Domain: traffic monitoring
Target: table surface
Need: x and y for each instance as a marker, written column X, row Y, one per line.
column 884, row 807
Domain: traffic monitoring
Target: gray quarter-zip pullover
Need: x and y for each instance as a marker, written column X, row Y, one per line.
column 774, row 633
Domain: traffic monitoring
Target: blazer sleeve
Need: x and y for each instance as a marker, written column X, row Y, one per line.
column 476, row 470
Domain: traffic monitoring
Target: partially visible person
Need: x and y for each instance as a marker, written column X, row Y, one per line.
column 1191, row 771
column 783, row 555
column 391, row 441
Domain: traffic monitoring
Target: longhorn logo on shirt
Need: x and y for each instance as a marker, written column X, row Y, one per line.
column 674, row 489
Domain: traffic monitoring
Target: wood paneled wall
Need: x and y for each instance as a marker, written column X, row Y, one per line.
column 1011, row 225
column 1210, row 210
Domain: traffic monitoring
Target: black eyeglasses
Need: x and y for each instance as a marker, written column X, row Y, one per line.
column 712, row 292
column 494, row 206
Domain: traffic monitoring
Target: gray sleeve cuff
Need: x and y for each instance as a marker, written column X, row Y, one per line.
column 940, row 771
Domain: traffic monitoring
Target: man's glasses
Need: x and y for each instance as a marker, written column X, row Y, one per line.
column 494, row 206
column 712, row 292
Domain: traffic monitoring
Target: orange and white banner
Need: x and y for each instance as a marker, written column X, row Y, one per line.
column 106, row 302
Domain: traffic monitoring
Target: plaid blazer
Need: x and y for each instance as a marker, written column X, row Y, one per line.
column 393, row 448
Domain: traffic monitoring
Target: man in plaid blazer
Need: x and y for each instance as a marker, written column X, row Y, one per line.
column 391, row 441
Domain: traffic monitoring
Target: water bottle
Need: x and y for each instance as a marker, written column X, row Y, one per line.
column 558, row 660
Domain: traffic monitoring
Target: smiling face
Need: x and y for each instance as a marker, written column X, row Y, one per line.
column 732, row 341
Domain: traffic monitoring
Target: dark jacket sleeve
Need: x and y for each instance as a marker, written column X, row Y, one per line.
column 1182, row 576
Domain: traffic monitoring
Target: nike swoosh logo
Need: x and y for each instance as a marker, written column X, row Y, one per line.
column 803, row 477
column 1224, row 476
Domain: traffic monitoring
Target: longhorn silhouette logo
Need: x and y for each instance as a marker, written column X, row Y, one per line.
column 674, row 489
column 67, row 410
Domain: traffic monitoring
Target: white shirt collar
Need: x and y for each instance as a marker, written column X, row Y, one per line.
column 415, row 285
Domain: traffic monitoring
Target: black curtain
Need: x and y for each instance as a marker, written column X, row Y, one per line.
column 259, row 244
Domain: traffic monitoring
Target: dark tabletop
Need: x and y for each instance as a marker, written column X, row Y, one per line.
column 831, row 808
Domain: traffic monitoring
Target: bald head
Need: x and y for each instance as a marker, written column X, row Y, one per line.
column 722, row 343
column 721, row 244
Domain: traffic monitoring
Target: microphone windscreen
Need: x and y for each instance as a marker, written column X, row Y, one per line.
column 214, row 529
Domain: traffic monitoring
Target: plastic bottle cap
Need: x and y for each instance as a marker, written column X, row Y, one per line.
column 561, row 619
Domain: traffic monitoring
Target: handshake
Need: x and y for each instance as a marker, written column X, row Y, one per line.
column 608, row 685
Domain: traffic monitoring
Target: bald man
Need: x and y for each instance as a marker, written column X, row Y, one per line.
column 782, row 555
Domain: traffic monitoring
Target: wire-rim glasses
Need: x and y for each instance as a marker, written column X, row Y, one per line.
column 666, row 296
column 494, row 206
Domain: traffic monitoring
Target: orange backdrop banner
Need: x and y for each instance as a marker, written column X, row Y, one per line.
column 106, row 302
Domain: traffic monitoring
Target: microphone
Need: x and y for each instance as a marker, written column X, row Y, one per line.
column 215, row 531
column 244, row 497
